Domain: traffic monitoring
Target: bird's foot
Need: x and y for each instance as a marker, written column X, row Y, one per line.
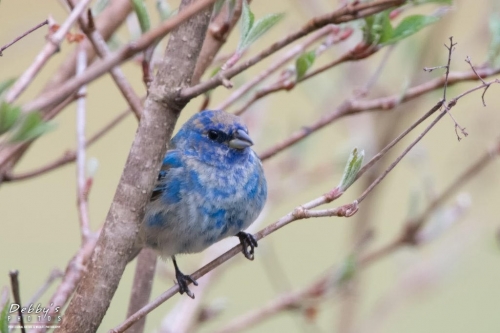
column 183, row 280
column 248, row 242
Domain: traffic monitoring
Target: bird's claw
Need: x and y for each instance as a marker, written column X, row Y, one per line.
column 248, row 242
column 183, row 281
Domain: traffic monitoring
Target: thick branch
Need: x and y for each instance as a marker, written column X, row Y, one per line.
column 118, row 237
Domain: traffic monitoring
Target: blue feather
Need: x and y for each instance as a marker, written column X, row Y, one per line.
column 207, row 189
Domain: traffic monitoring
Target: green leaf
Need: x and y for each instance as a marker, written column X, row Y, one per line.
column 4, row 85
column 30, row 127
column 494, row 49
column 351, row 169
column 303, row 63
column 409, row 26
column 378, row 28
column 8, row 116
column 99, row 6
column 247, row 19
column 386, row 31
column 164, row 10
column 258, row 29
column 142, row 14
column 4, row 322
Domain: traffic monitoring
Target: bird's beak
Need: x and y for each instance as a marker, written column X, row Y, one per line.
column 240, row 140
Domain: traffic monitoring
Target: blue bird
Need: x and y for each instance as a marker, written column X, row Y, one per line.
column 211, row 186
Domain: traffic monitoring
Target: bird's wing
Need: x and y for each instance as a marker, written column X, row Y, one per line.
column 172, row 160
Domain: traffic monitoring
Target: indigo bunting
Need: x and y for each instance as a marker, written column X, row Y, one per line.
column 211, row 186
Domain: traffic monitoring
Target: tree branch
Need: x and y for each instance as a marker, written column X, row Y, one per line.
column 353, row 106
column 345, row 14
column 51, row 47
column 106, row 23
column 291, row 54
column 295, row 300
column 118, row 237
column 6, row 46
column 71, row 278
column 126, row 52
column 83, row 186
column 217, row 34
column 102, row 50
column 142, row 286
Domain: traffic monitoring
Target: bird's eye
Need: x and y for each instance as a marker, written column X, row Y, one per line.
column 213, row 135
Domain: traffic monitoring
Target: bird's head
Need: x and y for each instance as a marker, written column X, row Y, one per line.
column 214, row 132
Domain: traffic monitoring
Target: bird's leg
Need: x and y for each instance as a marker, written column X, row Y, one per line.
column 248, row 242
column 183, row 280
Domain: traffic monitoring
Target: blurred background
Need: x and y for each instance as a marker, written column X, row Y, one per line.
column 450, row 284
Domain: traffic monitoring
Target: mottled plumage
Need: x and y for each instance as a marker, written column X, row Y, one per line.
column 211, row 186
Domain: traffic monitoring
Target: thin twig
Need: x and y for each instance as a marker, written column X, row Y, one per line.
column 381, row 153
column 286, row 83
column 102, row 50
column 11, row 154
column 107, row 23
column 183, row 316
column 3, row 48
column 53, row 276
column 72, row 276
column 376, row 75
column 51, row 47
column 83, row 184
column 237, row 94
column 399, row 158
column 295, row 299
column 363, row 225
column 347, row 13
column 118, row 238
column 14, row 283
column 300, row 212
column 98, row 69
column 450, row 51
column 142, row 285
column 460, row 181
column 68, row 156
column 467, row 60
column 218, row 31
column 349, row 107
